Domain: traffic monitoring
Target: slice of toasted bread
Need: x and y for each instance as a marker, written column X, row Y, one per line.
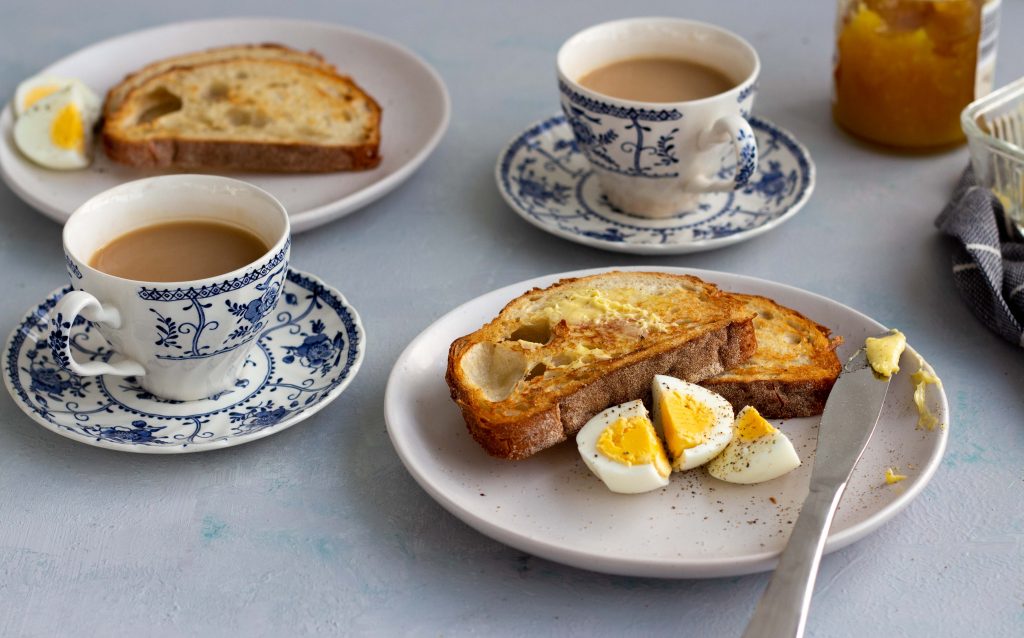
column 246, row 114
column 793, row 369
column 555, row 357
column 116, row 95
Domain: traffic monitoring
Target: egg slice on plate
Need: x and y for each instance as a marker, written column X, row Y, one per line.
column 56, row 130
column 36, row 88
column 621, row 447
column 696, row 422
column 758, row 452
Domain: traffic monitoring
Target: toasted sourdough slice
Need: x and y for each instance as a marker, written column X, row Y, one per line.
column 555, row 357
column 793, row 369
column 246, row 114
column 116, row 95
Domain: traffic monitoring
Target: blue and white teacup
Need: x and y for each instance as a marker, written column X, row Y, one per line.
column 653, row 159
column 184, row 340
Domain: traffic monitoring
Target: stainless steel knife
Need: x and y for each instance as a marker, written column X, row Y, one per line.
column 850, row 415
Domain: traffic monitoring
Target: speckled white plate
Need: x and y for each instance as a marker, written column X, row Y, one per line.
column 551, row 506
column 411, row 93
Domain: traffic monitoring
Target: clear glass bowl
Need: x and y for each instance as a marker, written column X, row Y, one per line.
column 994, row 126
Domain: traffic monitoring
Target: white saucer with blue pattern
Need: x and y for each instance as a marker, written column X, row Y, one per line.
column 306, row 356
column 546, row 179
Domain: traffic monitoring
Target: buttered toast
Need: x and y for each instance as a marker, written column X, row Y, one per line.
column 256, row 114
column 792, row 370
column 555, row 357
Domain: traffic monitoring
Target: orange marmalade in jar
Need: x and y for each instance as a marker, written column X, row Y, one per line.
column 905, row 69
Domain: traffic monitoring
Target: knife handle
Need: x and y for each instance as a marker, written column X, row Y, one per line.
column 782, row 612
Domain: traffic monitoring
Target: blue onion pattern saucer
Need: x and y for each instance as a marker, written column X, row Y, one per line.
column 546, row 180
column 309, row 352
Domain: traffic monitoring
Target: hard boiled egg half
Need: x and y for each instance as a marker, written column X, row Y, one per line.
column 621, row 447
column 55, row 119
column 696, row 422
column 758, row 452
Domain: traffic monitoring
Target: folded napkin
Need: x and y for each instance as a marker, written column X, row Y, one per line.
column 988, row 262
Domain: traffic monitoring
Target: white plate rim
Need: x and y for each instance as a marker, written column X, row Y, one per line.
column 683, row 248
column 213, row 445
column 302, row 220
column 689, row 568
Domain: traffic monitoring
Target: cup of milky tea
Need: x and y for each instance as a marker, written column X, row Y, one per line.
column 178, row 273
column 658, row 106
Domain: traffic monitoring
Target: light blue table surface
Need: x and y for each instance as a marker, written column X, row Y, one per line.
column 320, row 530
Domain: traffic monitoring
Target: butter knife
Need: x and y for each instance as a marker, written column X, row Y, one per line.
column 850, row 415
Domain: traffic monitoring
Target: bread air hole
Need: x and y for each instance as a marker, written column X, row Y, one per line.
column 242, row 117
column 538, row 331
column 494, row 369
column 536, row 371
column 218, row 91
column 158, row 103
column 793, row 338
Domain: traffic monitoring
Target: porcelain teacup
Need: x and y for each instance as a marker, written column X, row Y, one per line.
column 654, row 158
column 184, row 340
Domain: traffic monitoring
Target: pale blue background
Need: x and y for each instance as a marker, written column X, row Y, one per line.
column 320, row 530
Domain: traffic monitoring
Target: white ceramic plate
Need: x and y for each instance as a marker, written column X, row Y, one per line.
column 413, row 97
column 551, row 506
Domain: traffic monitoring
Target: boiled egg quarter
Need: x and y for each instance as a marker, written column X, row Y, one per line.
column 55, row 130
column 696, row 422
column 36, row 88
column 758, row 452
column 620, row 446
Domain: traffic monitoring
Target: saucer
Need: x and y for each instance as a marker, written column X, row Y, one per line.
column 304, row 359
column 546, row 180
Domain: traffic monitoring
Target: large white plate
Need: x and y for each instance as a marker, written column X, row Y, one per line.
column 551, row 506
column 413, row 97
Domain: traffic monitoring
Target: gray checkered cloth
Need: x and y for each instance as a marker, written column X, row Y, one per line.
column 988, row 261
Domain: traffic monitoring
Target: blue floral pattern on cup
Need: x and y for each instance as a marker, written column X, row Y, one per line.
column 652, row 154
column 306, row 355
column 547, row 179
column 184, row 328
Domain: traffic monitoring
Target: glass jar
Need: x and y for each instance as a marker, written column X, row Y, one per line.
column 905, row 69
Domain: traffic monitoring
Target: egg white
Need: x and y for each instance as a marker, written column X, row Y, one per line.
column 755, row 461
column 716, row 438
column 50, row 83
column 624, row 479
column 32, row 131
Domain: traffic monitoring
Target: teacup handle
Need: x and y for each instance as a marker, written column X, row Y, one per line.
column 69, row 307
column 738, row 130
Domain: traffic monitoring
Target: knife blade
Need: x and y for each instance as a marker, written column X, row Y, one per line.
column 849, row 419
column 850, row 416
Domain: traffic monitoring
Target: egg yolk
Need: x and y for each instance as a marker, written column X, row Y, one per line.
column 686, row 421
column 632, row 441
column 39, row 93
column 67, row 131
column 751, row 425
column 892, row 477
column 920, row 379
